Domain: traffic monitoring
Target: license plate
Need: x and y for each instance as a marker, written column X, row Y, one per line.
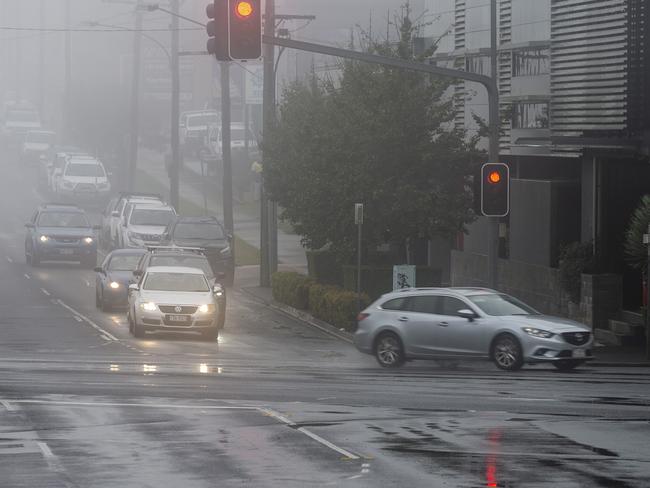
column 178, row 318
column 579, row 353
column 66, row 251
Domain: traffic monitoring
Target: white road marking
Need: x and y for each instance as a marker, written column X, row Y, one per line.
column 27, row 276
column 9, row 260
column 78, row 319
column 45, row 449
column 105, row 337
column 88, row 321
column 8, row 406
column 308, row 433
column 45, row 291
column 136, row 405
column 87, row 283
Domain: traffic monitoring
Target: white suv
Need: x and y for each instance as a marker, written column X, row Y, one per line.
column 83, row 179
column 145, row 225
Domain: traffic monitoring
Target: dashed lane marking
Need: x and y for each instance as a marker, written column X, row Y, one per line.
column 9, row 260
column 8, row 406
column 78, row 319
column 45, row 291
column 27, row 276
column 88, row 321
column 281, row 418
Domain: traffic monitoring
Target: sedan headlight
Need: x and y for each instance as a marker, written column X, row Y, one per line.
column 148, row 306
column 225, row 251
column 136, row 236
column 43, row 238
column 114, row 285
column 67, row 185
column 88, row 240
column 206, row 308
column 532, row 331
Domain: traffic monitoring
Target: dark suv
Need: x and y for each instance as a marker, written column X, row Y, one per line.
column 207, row 234
column 58, row 232
column 192, row 258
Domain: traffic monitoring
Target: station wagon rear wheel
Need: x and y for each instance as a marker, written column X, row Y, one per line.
column 389, row 350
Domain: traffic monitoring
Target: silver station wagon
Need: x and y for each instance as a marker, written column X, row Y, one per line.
column 434, row 323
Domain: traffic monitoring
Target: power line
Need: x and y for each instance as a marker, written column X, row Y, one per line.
column 64, row 29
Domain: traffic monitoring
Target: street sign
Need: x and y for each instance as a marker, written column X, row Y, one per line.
column 403, row 276
column 254, row 84
column 358, row 213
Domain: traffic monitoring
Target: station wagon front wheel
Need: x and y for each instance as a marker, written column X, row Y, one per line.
column 507, row 353
column 389, row 351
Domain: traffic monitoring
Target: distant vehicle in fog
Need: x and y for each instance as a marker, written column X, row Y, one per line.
column 116, row 211
column 114, row 276
column 194, row 129
column 36, row 144
column 58, row 232
column 55, row 161
column 83, row 179
column 19, row 119
column 145, row 224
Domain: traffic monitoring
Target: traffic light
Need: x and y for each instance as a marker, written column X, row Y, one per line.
column 217, row 29
column 495, row 190
column 244, row 29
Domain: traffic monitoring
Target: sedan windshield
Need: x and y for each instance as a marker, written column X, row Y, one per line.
column 151, row 217
column 39, row 137
column 63, row 219
column 124, row 263
column 188, row 282
column 95, row 170
column 199, row 262
column 501, row 304
column 201, row 120
column 199, row 231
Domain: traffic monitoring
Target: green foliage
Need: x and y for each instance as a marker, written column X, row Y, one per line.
column 291, row 288
column 380, row 136
column 575, row 258
column 324, row 267
column 335, row 306
column 636, row 252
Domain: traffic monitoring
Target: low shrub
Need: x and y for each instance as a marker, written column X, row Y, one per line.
column 291, row 288
column 335, row 306
column 575, row 258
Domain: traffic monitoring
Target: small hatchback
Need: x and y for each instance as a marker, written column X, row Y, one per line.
column 468, row 323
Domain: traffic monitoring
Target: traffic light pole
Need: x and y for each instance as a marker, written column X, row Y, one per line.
column 135, row 99
column 493, row 151
column 266, row 213
column 226, row 149
column 174, row 170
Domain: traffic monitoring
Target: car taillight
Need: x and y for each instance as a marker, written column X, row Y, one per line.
column 362, row 316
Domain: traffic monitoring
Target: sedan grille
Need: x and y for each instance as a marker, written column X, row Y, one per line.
column 67, row 240
column 576, row 338
column 177, row 309
column 85, row 187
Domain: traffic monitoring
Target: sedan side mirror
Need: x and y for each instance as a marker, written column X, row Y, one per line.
column 217, row 290
column 115, row 213
column 98, row 269
column 137, row 272
column 467, row 314
column 133, row 287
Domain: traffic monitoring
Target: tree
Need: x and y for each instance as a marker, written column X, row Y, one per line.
column 380, row 136
column 636, row 251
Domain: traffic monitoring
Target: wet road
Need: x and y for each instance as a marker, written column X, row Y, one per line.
column 274, row 403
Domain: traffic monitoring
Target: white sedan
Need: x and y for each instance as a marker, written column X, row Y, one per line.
column 174, row 298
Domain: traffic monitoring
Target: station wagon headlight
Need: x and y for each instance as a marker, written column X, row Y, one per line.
column 43, row 238
column 88, row 240
column 148, row 306
column 206, row 308
column 532, row 331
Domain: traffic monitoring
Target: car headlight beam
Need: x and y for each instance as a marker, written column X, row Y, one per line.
column 43, row 238
column 114, row 285
column 88, row 240
column 543, row 334
column 148, row 306
column 206, row 308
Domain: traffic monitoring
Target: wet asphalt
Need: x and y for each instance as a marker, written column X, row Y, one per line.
column 275, row 403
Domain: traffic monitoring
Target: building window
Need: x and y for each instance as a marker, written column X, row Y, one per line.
column 530, row 62
column 530, row 116
column 478, row 64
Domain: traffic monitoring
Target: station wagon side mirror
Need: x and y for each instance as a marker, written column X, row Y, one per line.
column 467, row 314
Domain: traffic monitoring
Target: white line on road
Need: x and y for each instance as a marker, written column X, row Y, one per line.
column 88, row 321
column 78, row 319
column 9, row 260
column 27, row 276
column 8, row 406
column 105, row 337
column 136, row 405
column 87, row 283
column 45, row 291
column 45, row 449
column 308, row 433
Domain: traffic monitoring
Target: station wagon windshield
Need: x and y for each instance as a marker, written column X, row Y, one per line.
column 500, row 304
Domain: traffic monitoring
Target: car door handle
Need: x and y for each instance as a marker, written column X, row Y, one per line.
column 443, row 324
column 403, row 319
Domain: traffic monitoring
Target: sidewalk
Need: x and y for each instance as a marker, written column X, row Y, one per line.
column 291, row 253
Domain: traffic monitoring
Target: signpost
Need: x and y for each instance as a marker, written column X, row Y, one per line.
column 358, row 219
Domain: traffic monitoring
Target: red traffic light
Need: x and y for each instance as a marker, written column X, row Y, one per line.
column 244, row 9
column 495, row 190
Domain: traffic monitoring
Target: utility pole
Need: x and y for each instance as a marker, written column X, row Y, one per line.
column 41, row 61
column 68, row 70
column 266, row 266
column 175, row 110
column 226, row 149
column 135, row 98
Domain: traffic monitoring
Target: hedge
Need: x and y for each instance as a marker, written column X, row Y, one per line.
column 335, row 306
column 291, row 288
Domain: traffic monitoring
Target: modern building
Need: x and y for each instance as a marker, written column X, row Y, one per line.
column 574, row 82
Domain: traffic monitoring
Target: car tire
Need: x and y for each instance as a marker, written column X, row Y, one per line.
column 105, row 306
column 138, row 330
column 34, row 260
column 129, row 320
column 210, row 334
column 507, row 353
column 567, row 364
column 389, row 350
column 98, row 303
column 89, row 262
column 28, row 259
column 221, row 320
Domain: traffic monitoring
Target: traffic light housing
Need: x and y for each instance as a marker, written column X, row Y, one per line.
column 244, row 29
column 217, row 29
column 495, row 190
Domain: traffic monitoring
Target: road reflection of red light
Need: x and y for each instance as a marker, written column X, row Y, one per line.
column 494, row 438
